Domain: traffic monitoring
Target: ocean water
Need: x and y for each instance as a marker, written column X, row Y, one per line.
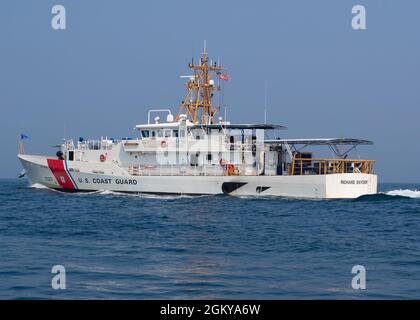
column 118, row 246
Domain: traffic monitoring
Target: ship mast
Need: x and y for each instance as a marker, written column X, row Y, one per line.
column 198, row 104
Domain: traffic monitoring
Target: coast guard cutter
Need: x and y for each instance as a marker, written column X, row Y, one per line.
column 194, row 152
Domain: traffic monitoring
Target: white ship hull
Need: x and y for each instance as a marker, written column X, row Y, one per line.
column 85, row 176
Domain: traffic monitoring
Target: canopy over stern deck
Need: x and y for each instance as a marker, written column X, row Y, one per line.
column 296, row 145
column 321, row 141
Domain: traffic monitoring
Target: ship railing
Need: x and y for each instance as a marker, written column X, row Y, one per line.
column 165, row 145
column 154, row 143
column 322, row 166
column 184, row 170
column 89, row 145
column 240, row 146
column 69, row 145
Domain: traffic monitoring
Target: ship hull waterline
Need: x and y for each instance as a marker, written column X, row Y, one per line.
column 72, row 176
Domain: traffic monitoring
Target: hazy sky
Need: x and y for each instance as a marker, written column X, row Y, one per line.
column 117, row 58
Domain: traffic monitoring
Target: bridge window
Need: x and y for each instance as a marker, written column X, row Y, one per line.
column 168, row 133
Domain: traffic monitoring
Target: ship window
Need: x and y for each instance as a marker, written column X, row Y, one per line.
column 145, row 133
column 153, row 133
column 167, row 133
column 160, row 133
column 175, row 133
column 71, row 155
column 209, row 157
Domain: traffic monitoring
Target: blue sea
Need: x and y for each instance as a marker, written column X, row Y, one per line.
column 118, row 246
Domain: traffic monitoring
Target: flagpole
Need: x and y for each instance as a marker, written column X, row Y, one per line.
column 224, row 105
column 21, row 148
column 221, row 101
column 265, row 103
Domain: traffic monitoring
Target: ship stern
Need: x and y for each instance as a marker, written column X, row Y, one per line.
column 350, row 185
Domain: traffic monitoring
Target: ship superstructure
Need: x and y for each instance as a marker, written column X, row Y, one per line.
column 195, row 152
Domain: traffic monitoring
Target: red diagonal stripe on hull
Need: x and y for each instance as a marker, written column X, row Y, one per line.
column 60, row 174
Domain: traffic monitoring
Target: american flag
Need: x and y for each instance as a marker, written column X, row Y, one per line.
column 223, row 76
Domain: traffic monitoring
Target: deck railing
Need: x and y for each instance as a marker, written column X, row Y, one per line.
column 175, row 170
column 317, row 166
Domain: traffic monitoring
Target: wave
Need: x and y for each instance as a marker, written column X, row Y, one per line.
column 120, row 194
column 41, row 186
column 389, row 195
column 397, row 194
column 106, row 192
column 38, row 186
column 147, row 195
column 407, row 193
